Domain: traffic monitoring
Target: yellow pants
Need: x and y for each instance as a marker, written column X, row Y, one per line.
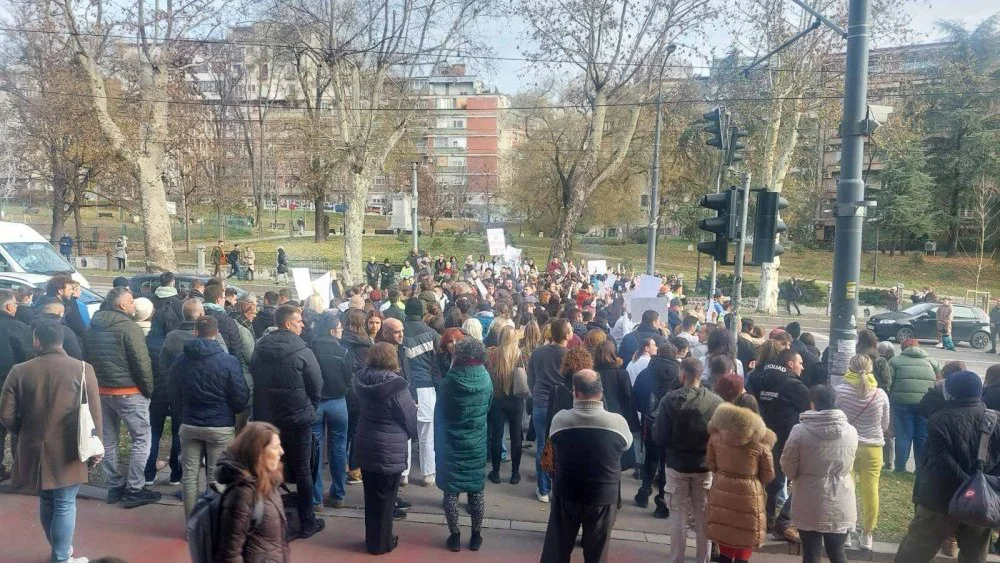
column 867, row 469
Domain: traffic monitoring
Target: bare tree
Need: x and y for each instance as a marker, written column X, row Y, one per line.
column 983, row 213
column 620, row 47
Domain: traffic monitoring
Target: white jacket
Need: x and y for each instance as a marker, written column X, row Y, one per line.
column 818, row 459
column 868, row 414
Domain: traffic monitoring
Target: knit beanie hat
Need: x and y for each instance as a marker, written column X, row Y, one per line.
column 414, row 307
column 143, row 309
column 964, row 385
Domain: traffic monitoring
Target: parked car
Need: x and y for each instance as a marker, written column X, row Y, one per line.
column 143, row 285
column 969, row 324
column 24, row 251
column 15, row 281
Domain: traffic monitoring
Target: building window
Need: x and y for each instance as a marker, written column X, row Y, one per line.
column 644, row 201
column 445, row 103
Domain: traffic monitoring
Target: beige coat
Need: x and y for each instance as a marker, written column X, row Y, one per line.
column 739, row 457
column 40, row 402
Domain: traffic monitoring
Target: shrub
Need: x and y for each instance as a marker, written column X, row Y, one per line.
column 871, row 296
column 639, row 236
column 916, row 258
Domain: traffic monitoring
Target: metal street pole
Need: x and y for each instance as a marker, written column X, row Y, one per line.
column 850, row 193
column 654, row 177
column 718, row 188
column 734, row 321
column 878, row 227
column 413, row 209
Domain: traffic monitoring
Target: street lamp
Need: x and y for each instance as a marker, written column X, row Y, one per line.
column 654, row 178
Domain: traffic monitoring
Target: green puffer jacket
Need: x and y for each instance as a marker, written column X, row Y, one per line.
column 914, row 374
column 117, row 349
column 460, row 439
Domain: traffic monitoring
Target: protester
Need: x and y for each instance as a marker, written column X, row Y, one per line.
column 460, row 437
column 991, row 389
column 867, row 410
column 40, row 402
column 387, row 420
column 506, row 365
column 587, row 443
column 663, row 375
column 117, row 349
column 818, row 457
column 544, row 373
column 782, row 397
column 357, row 343
column 53, row 309
column 208, row 387
column 287, row 387
column 649, row 327
column 143, row 314
column 62, row 286
column 335, row 363
column 914, row 373
column 617, row 388
column 951, row 457
column 244, row 313
column 251, row 471
column 561, row 395
column 421, row 370
column 945, row 314
column 265, row 317
column 640, row 359
column 215, row 295
column 681, row 429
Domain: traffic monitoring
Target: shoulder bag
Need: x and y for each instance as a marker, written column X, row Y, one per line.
column 520, row 387
column 87, row 443
column 977, row 501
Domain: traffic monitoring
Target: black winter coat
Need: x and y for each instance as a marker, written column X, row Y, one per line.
column 228, row 329
column 991, row 396
column 665, row 376
column 631, row 341
column 238, row 543
column 117, row 349
column 15, row 344
column 335, row 363
column 388, row 419
column 681, row 427
column 167, row 315
column 71, row 342
column 286, row 381
column 263, row 320
column 358, row 347
column 951, row 451
column 782, row 398
column 618, row 394
column 208, row 386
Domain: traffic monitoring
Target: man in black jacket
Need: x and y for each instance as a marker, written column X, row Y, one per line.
column 649, row 327
column 15, row 347
column 53, row 309
column 782, row 398
column 61, row 286
column 954, row 443
column 287, row 387
column 265, row 317
column 663, row 376
column 117, row 349
column 335, row 364
column 167, row 313
column 420, row 367
column 215, row 295
column 681, row 428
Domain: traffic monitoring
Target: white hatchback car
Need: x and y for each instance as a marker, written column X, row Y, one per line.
column 16, row 280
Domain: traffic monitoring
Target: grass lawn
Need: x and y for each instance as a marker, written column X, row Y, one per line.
column 895, row 506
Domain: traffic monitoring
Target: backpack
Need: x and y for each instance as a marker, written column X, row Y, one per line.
column 203, row 529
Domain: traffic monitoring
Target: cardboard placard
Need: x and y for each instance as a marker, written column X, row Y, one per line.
column 597, row 267
column 302, row 282
column 648, row 286
column 496, row 241
column 640, row 305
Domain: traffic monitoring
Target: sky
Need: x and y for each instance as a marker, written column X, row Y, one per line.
column 511, row 77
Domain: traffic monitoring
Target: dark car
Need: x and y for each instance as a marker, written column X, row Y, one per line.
column 143, row 285
column 969, row 324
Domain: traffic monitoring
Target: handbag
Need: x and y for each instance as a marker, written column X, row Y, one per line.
column 977, row 501
column 88, row 444
column 548, row 457
column 520, row 387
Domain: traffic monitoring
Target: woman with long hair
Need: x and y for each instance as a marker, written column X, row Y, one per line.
column 388, row 419
column 720, row 343
column 531, row 338
column 593, row 339
column 561, row 396
column 357, row 342
column 616, row 381
column 373, row 324
column 504, row 363
column 446, row 347
column 251, row 471
column 767, row 353
column 867, row 410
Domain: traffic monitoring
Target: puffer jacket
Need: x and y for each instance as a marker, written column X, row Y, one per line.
column 951, row 452
column 419, row 344
column 387, row 419
column 208, row 386
column 782, row 398
column 335, row 364
column 661, row 376
column 868, row 414
column 818, row 458
column 739, row 457
column 460, row 438
column 238, row 543
column 116, row 348
column 286, row 381
column 914, row 373
column 681, row 427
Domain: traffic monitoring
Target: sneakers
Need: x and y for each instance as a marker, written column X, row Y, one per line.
column 515, row 478
column 404, row 480
column 455, row 542
column 311, row 530
column 541, row 497
column 334, row 502
column 429, row 480
column 151, row 483
column 476, row 541
column 78, row 560
column 174, row 480
column 939, row 345
column 849, row 541
column 661, row 512
column 788, row 534
column 403, row 505
column 115, row 494
column 142, row 497
column 641, row 500
column 398, row 514
column 494, row 477
column 354, row 477
column 866, row 541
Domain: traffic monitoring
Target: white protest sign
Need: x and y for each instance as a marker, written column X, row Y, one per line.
column 302, row 281
column 496, row 241
column 511, row 254
column 482, row 288
column 597, row 267
column 648, row 286
column 642, row 304
column 321, row 286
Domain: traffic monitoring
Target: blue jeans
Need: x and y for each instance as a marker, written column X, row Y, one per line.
column 541, row 434
column 133, row 410
column 910, row 428
column 57, row 509
column 331, row 415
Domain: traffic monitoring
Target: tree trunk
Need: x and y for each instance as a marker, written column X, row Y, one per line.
column 767, row 302
column 354, row 223
column 78, row 225
column 59, row 189
column 319, row 216
column 158, row 241
column 954, row 224
column 433, row 222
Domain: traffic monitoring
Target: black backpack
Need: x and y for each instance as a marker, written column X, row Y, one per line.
column 203, row 526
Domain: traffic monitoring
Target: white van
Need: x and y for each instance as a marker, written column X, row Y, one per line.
column 23, row 249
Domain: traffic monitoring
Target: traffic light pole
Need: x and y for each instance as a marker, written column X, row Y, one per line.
column 718, row 188
column 850, row 193
column 413, row 210
column 654, row 189
column 734, row 321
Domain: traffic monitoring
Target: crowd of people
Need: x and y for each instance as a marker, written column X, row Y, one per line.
column 451, row 371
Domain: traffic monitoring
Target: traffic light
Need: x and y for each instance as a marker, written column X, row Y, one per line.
column 769, row 226
column 717, row 122
column 734, row 151
column 725, row 224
